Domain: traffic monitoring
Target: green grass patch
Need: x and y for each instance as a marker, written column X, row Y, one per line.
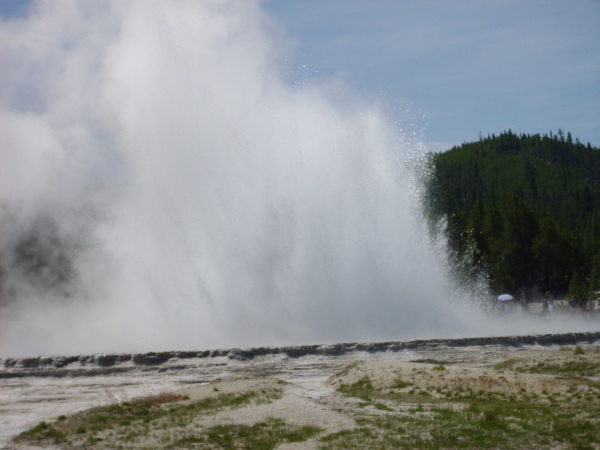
column 130, row 422
column 42, row 432
column 508, row 364
column 578, row 366
column 467, row 418
column 364, row 390
column 486, row 425
column 382, row 407
column 400, row 383
column 264, row 435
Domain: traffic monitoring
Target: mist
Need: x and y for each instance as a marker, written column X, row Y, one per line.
column 167, row 183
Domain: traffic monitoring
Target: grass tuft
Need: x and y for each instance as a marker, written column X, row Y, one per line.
column 131, row 422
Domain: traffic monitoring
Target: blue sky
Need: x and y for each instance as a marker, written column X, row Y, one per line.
column 452, row 69
column 462, row 67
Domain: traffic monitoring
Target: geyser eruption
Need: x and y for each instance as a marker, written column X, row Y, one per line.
column 163, row 186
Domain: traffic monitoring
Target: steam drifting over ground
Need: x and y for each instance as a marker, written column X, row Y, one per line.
column 164, row 186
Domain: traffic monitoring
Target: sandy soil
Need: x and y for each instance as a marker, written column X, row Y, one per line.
column 309, row 385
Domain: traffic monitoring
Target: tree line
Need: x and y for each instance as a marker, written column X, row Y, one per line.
column 522, row 211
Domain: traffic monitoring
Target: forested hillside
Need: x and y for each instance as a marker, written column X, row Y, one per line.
column 523, row 210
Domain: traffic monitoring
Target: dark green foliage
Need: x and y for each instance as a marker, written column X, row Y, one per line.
column 523, row 210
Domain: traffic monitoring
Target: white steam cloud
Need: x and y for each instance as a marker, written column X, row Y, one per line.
column 163, row 187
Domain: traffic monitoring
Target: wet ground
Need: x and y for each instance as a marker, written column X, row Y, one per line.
column 36, row 389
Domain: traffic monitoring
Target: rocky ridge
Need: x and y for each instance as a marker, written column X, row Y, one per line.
column 99, row 364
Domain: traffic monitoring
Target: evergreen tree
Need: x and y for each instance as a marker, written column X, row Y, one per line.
column 524, row 209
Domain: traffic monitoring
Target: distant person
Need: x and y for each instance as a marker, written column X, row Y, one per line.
column 545, row 307
column 573, row 302
column 579, row 306
column 549, row 298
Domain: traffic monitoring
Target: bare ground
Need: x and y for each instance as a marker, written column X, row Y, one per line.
column 354, row 399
